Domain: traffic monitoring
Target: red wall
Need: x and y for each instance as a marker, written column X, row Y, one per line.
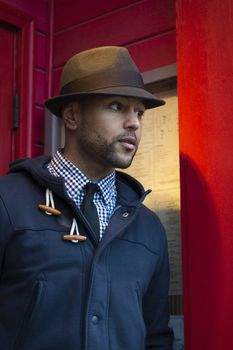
column 146, row 27
column 205, row 66
column 40, row 17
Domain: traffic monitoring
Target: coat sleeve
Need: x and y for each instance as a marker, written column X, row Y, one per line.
column 155, row 304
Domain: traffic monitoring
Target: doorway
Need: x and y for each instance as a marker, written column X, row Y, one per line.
column 9, row 93
column 156, row 166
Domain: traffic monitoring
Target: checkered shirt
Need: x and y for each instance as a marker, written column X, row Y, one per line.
column 75, row 180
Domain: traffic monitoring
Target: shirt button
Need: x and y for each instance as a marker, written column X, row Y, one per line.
column 125, row 214
column 95, row 319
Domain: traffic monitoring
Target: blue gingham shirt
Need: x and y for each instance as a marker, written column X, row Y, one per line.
column 75, row 180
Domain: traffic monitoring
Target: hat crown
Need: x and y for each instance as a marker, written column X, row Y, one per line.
column 93, row 63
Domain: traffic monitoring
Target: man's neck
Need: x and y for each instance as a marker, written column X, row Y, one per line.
column 93, row 170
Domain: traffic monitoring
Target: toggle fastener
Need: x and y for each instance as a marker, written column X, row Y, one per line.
column 74, row 238
column 49, row 207
column 49, row 210
column 74, row 235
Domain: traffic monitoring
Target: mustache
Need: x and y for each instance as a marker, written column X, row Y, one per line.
column 127, row 135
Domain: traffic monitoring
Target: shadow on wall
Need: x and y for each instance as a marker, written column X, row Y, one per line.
column 202, row 258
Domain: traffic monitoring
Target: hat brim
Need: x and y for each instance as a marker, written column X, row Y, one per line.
column 56, row 103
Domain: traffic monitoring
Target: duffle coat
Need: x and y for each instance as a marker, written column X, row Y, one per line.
column 61, row 295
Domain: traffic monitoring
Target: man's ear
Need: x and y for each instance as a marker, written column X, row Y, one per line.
column 70, row 116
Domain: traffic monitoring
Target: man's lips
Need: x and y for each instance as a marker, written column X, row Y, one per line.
column 128, row 142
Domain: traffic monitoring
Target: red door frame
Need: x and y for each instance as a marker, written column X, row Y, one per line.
column 205, row 91
column 20, row 20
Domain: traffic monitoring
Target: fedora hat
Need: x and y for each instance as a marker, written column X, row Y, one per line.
column 107, row 70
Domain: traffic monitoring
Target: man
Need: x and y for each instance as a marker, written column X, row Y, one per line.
column 85, row 267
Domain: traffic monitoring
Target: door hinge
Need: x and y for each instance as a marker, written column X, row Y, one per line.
column 16, row 112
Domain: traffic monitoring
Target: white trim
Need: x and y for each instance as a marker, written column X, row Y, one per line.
column 158, row 74
column 52, row 133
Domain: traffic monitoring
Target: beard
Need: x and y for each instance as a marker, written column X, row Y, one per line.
column 117, row 159
column 110, row 154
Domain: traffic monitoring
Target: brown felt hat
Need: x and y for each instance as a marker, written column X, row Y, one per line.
column 107, row 70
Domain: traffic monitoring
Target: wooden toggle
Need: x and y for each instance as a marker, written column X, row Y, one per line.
column 50, row 210
column 74, row 238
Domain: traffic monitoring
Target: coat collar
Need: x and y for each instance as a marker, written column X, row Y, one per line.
column 130, row 192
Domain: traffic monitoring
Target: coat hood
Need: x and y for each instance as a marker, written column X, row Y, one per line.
column 130, row 191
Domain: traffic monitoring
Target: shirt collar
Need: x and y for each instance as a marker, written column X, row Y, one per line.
column 73, row 176
column 108, row 186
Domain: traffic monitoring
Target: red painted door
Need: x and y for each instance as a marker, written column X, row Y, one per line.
column 9, row 45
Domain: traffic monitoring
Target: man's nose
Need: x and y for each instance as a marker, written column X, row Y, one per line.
column 132, row 120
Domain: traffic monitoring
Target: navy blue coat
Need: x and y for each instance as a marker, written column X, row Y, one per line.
column 58, row 295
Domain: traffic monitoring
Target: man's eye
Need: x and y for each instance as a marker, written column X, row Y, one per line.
column 116, row 106
column 139, row 114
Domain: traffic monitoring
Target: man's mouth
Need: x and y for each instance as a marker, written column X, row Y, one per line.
column 129, row 142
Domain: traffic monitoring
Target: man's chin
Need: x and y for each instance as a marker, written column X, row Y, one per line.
column 123, row 162
column 120, row 158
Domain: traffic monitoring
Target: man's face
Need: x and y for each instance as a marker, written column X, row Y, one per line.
column 109, row 130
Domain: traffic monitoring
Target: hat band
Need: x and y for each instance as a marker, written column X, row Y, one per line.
column 103, row 80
